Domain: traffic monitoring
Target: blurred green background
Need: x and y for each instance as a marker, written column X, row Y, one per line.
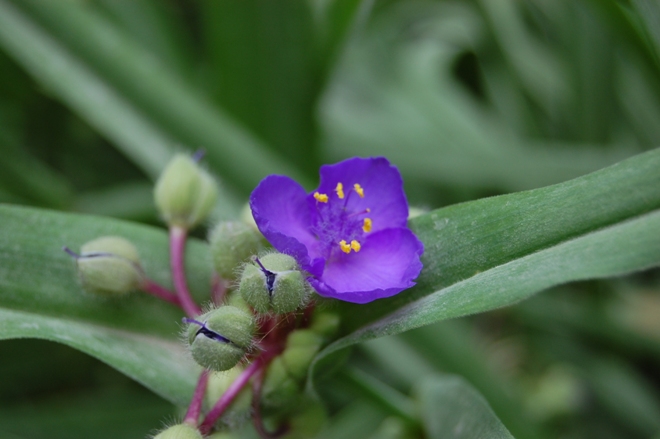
column 468, row 98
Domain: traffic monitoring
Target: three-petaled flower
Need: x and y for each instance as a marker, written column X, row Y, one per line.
column 350, row 234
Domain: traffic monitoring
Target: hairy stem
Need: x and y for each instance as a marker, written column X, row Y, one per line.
column 195, row 408
column 177, row 246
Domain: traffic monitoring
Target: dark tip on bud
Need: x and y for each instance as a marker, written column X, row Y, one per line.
column 70, row 252
column 198, row 155
column 270, row 276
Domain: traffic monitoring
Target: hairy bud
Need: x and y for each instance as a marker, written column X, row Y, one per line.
column 274, row 284
column 221, row 337
column 232, row 243
column 180, row 431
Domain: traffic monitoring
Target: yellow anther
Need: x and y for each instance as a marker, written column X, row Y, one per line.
column 355, row 246
column 340, row 190
column 323, row 198
column 367, row 225
column 344, row 246
column 359, row 190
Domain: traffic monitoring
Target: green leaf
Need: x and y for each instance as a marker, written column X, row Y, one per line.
column 498, row 251
column 267, row 80
column 394, row 93
column 53, row 39
column 649, row 14
column 452, row 409
column 40, row 296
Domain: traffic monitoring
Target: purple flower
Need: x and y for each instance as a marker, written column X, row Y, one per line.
column 350, row 234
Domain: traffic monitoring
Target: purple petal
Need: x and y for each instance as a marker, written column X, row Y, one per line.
column 382, row 184
column 387, row 264
column 280, row 210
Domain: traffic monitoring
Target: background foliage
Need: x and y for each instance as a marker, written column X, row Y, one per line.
column 469, row 98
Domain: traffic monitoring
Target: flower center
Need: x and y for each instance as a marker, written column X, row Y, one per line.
column 339, row 228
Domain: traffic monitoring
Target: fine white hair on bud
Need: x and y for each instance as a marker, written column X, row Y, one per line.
column 179, row 431
column 185, row 193
column 274, row 283
column 220, row 338
column 232, row 243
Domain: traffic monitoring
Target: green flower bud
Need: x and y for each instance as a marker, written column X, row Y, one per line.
column 286, row 374
column 232, row 243
column 109, row 266
column 221, row 337
column 275, row 284
column 325, row 324
column 180, row 431
column 308, row 421
column 394, row 428
column 184, row 192
column 301, row 347
column 414, row 212
column 279, row 389
column 247, row 217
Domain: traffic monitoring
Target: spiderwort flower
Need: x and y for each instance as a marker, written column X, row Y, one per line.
column 350, row 234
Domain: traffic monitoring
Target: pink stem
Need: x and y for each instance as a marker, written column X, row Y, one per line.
column 256, row 410
column 151, row 287
column 177, row 246
column 195, row 408
column 230, row 394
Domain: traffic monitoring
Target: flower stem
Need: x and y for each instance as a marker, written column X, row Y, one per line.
column 151, row 287
column 177, row 246
column 228, row 397
column 195, row 408
column 256, row 410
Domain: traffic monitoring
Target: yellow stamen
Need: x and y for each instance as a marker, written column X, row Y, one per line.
column 344, row 246
column 323, row 198
column 359, row 190
column 340, row 190
column 367, row 225
column 355, row 246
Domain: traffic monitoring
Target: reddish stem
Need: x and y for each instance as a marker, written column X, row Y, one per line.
column 228, row 397
column 177, row 246
column 151, row 287
column 257, row 420
column 195, row 408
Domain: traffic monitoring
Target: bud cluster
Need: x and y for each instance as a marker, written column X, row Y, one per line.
column 257, row 320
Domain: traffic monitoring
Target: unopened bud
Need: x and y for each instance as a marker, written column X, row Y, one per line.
column 180, row 431
column 221, row 337
column 279, row 390
column 274, row 284
column 301, row 347
column 325, row 324
column 109, row 266
column 232, row 243
column 308, row 420
column 184, row 192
